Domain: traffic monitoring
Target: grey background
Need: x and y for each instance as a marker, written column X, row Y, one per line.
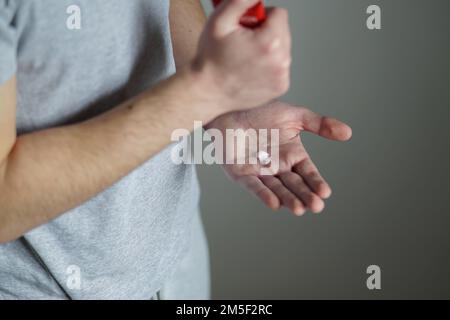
column 390, row 205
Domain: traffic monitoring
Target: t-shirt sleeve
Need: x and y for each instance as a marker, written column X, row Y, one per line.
column 8, row 41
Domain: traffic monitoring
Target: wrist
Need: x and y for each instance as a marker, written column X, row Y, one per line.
column 208, row 87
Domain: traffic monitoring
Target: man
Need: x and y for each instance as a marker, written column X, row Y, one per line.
column 91, row 206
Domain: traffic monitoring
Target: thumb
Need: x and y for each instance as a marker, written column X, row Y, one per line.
column 228, row 15
column 325, row 127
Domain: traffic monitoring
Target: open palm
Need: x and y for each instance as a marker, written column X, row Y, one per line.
column 298, row 184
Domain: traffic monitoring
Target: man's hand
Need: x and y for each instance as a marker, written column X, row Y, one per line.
column 241, row 66
column 298, row 185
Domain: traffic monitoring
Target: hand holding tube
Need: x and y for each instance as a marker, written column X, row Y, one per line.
column 244, row 67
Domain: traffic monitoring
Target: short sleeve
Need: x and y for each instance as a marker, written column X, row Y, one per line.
column 8, row 41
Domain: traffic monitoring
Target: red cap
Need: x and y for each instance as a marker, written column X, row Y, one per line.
column 253, row 17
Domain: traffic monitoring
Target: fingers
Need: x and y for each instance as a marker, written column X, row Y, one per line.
column 297, row 185
column 229, row 13
column 275, row 34
column 325, row 127
column 286, row 197
column 277, row 18
column 311, row 175
column 298, row 191
column 255, row 186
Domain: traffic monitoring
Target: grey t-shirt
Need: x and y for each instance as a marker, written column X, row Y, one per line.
column 127, row 241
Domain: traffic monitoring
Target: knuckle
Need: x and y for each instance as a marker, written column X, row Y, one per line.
column 279, row 71
column 281, row 66
column 280, row 59
column 286, row 62
column 283, row 86
column 265, row 47
column 269, row 45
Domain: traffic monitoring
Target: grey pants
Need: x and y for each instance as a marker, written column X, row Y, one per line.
column 191, row 279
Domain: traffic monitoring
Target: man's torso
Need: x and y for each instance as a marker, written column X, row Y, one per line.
column 126, row 241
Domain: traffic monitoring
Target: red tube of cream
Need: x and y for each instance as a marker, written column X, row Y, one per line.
column 253, row 17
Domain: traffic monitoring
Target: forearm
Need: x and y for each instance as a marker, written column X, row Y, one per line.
column 49, row 172
column 187, row 20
